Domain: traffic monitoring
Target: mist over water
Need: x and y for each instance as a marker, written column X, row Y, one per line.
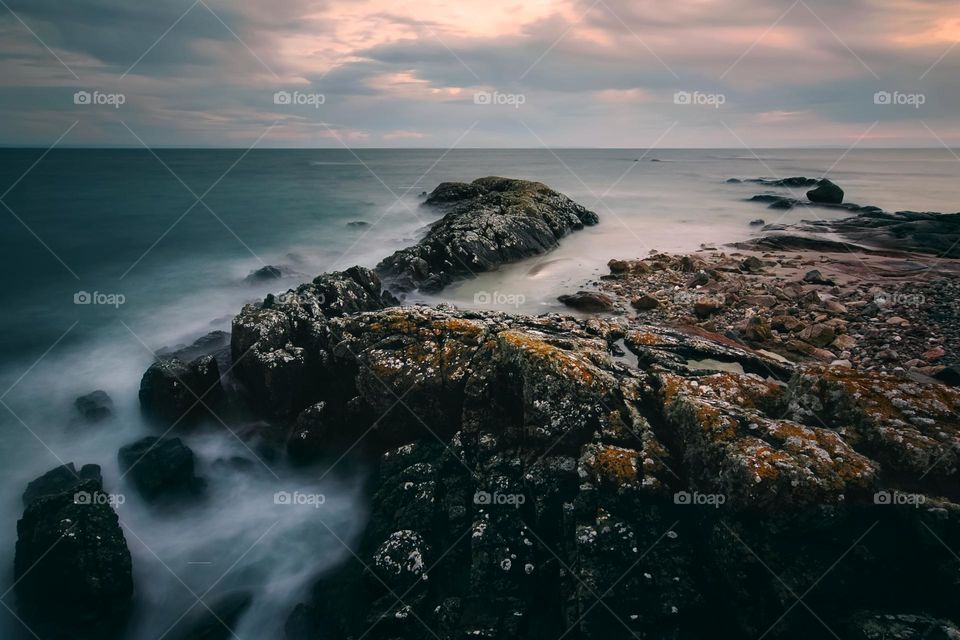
column 118, row 222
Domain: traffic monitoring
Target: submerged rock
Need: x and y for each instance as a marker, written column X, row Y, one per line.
column 95, row 406
column 72, row 566
column 486, row 223
column 160, row 467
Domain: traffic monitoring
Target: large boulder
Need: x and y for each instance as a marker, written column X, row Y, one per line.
column 826, row 192
column 276, row 344
column 59, row 480
column 487, row 223
column 548, row 471
column 160, row 467
column 174, row 392
column 72, row 569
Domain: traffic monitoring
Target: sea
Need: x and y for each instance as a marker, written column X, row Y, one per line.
column 107, row 255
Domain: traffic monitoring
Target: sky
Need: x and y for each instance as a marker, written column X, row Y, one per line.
column 480, row 73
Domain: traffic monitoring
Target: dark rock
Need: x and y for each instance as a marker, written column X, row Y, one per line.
column 826, row 192
column 797, row 181
column 95, row 406
column 310, row 436
column 489, row 222
column 275, row 344
column 60, row 479
column 215, row 619
column 588, row 301
column 815, row 277
column 759, row 222
column 645, row 303
column 72, row 568
column 879, row 626
column 358, row 223
column 264, row 274
column 752, row 264
column 215, row 343
column 176, row 393
column 160, row 467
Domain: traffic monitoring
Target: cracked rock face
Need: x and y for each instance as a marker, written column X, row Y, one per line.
column 486, row 223
column 531, row 467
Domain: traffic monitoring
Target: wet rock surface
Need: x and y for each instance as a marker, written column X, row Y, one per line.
column 486, row 223
column 72, row 566
column 613, row 477
column 160, row 468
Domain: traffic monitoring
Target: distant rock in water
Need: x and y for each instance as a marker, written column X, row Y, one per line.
column 826, row 192
column 358, row 223
column 268, row 272
column 72, row 570
column 488, row 222
column 796, row 181
column 95, row 406
column 160, row 467
column 759, row 222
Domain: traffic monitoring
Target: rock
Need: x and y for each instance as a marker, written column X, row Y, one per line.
column 176, row 393
column 815, row 277
column 265, row 337
column 819, row 335
column 72, row 568
column 358, row 223
column 264, row 274
column 216, row 619
column 759, row 222
column 310, row 436
column 841, row 363
column 62, row 479
column 879, row 626
column 933, row 354
column 707, row 306
column 786, row 323
column 646, row 302
column 95, row 406
column 527, row 457
column 835, row 307
column 758, row 330
column 826, row 192
column 588, row 301
column 489, row 222
column 628, row 266
column 897, row 321
column 699, row 279
column 160, row 467
column 761, row 301
column 796, row 181
column 844, row 342
column 752, row 264
column 810, row 350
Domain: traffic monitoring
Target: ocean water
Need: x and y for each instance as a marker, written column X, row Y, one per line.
column 165, row 239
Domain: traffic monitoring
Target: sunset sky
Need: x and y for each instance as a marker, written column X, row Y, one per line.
column 583, row 73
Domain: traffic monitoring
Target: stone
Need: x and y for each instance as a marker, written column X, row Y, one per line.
column 646, row 302
column 95, row 406
column 844, row 342
column 588, row 301
column 819, row 335
column 826, row 192
column 815, row 277
column 160, row 467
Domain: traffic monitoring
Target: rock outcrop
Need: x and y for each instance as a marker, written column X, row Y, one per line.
column 160, row 467
column 72, row 566
column 488, row 222
column 545, row 475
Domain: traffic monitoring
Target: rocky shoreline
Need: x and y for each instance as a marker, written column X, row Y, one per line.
column 742, row 443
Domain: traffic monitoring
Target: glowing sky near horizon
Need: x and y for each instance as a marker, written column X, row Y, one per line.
column 560, row 73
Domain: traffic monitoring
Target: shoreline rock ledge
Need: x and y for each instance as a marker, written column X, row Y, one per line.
column 487, row 222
